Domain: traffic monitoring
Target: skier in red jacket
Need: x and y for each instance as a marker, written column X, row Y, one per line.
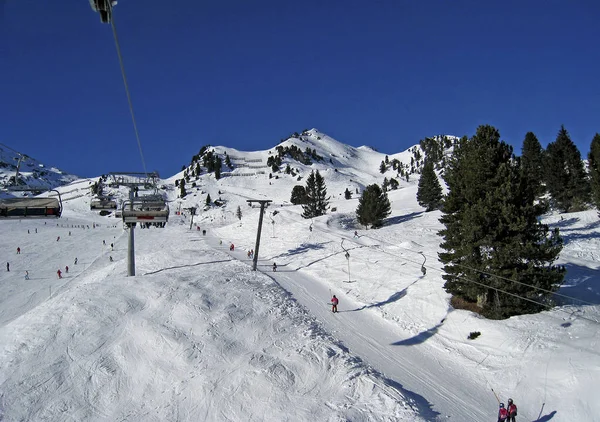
column 512, row 411
column 502, row 413
column 334, row 304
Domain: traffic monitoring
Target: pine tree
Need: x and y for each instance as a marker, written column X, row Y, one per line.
column 373, row 207
column 492, row 230
column 565, row 174
column 238, row 213
column 208, row 200
column 182, row 192
column 316, row 196
column 429, row 193
column 594, row 169
column 298, row 195
column 382, row 168
column 217, row 167
column 532, row 164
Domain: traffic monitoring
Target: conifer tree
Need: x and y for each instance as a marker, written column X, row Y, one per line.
column 429, row 193
column 208, row 199
column 373, row 207
column 594, row 169
column 316, row 196
column 298, row 195
column 532, row 164
column 492, row 231
column 182, row 192
column 565, row 174
column 238, row 213
column 382, row 168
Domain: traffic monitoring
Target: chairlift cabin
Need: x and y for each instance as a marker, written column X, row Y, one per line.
column 148, row 211
column 103, row 204
column 30, row 207
column 104, row 8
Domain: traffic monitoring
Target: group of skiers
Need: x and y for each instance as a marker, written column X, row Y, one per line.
column 507, row 413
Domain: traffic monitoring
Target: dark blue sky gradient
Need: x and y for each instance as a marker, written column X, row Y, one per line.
column 246, row 74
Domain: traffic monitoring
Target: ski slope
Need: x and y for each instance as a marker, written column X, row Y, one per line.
column 197, row 335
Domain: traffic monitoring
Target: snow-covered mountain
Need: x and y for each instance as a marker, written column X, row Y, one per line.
column 31, row 172
column 197, row 335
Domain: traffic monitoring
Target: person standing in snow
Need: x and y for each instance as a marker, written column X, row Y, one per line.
column 59, row 273
column 274, row 267
column 7, row 266
column 502, row 413
column 75, row 261
column 512, row 411
column 334, row 304
column 18, row 251
column 26, row 275
column 67, row 269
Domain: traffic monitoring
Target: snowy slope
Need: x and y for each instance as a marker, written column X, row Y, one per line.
column 197, row 335
column 31, row 172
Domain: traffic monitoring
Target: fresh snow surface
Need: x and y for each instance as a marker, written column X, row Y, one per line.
column 197, row 335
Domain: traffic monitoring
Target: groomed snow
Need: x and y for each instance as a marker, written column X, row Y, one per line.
column 197, row 335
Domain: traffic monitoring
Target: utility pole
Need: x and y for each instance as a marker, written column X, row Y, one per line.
column 263, row 204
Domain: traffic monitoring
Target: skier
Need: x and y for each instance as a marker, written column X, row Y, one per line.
column 274, row 267
column 111, row 258
column 26, row 275
column 59, row 273
column 231, row 247
column 355, row 234
column 334, row 304
column 104, row 242
column 67, row 269
column 7, row 267
column 75, row 261
column 512, row 411
column 58, row 238
column 18, row 251
column 502, row 413
column 112, row 247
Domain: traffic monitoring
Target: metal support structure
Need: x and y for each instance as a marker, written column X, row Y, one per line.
column 193, row 213
column 131, row 242
column 347, row 255
column 263, row 204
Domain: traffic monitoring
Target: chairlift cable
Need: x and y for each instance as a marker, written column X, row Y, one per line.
column 582, row 301
column 137, row 135
column 498, row 289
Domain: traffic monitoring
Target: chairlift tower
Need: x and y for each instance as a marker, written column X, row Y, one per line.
column 263, row 204
column 150, row 210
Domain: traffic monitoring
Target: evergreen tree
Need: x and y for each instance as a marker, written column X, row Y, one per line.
column 208, row 199
column 238, row 213
column 492, row 230
column 347, row 194
column 382, row 168
column 594, row 169
column 182, row 192
column 316, row 196
column 565, row 174
column 532, row 164
column 373, row 207
column 217, row 167
column 429, row 193
column 298, row 195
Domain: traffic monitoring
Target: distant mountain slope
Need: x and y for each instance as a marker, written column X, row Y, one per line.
column 32, row 173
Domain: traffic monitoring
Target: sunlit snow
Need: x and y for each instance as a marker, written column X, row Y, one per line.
column 197, row 335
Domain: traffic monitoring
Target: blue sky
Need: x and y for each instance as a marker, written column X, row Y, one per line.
column 247, row 74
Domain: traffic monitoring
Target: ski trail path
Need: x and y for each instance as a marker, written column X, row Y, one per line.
column 416, row 367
